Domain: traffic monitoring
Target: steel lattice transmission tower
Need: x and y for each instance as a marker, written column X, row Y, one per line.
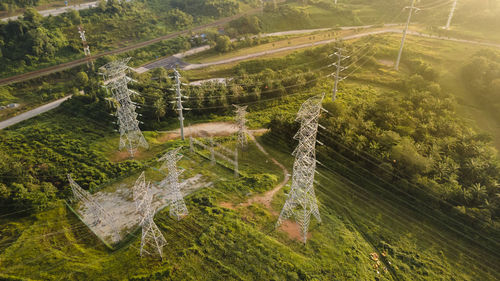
column 152, row 240
column 116, row 80
column 81, row 195
column 301, row 201
column 241, row 112
column 178, row 207
column 86, row 48
column 140, row 193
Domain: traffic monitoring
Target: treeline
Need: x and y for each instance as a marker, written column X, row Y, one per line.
column 212, row 97
column 413, row 140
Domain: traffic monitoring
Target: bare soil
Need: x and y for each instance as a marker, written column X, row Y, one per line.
column 267, row 197
column 389, row 63
column 120, row 208
column 293, row 230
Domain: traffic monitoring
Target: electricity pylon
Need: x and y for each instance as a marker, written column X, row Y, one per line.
column 86, row 48
column 177, row 77
column 241, row 121
column 139, row 193
column 152, row 240
column 95, row 209
column 450, row 16
column 339, row 68
column 412, row 7
column 301, row 201
column 178, row 207
column 116, row 80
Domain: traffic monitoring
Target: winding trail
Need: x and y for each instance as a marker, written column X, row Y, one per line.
column 267, row 197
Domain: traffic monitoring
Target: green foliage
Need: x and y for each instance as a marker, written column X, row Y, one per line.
column 179, row 19
column 34, row 41
column 245, row 25
column 5, row 95
column 40, row 156
column 482, row 75
column 223, row 44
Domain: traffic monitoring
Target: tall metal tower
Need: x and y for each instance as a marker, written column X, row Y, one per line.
column 116, row 80
column 301, row 201
column 339, row 68
column 152, row 240
column 179, row 100
column 241, row 121
column 412, row 7
column 139, row 193
column 95, row 209
column 178, row 207
column 86, row 48
column 450, row 16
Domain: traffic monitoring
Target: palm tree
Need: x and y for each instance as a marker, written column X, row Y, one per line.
column 159, row 108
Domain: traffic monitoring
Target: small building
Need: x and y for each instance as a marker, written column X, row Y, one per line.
column 12, row 105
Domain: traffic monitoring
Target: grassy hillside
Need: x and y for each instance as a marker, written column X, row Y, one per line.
column 369, row 202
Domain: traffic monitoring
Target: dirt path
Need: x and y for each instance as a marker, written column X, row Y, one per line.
column 267, row 197
column 211, row 129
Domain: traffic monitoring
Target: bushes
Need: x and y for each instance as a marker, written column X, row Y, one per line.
column 411, row 138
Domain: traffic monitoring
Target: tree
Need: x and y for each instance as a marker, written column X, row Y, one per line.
column 32, row 16
column 159, row 108
column 82, row 79
column 223, row 44
column 179, row 19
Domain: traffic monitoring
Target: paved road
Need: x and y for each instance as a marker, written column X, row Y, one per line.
column 279, row 50
column 32, row 113
column 176, row 60
column 348, row 37
column 58, row 11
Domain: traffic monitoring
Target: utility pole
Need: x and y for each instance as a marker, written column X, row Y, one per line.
column 178, row 207
column 339, row 68
column 412, row 7
column 179, row 100
column 301, row 201
column 116, row 80
column 453, row 7
column 86, row 48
